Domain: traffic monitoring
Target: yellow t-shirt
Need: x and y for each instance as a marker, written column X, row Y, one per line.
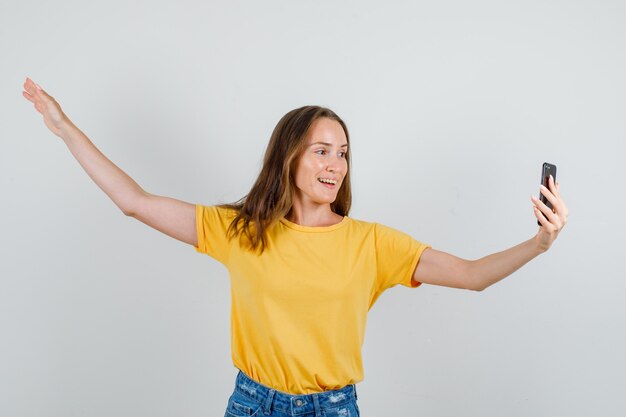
column 298, row 311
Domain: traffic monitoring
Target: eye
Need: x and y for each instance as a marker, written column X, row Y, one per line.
column 342, row 153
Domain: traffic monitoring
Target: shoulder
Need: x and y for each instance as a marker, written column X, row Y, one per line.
column 362, row 225
column 218, row 208
column 215, row 213
column 225, row 210
column 374, row 226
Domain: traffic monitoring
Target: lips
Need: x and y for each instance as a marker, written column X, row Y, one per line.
column 328, row 180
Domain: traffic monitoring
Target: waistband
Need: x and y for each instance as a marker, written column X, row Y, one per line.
column 293, row 403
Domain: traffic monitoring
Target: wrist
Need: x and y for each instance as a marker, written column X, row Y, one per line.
column 539, row 246
column 67, row 129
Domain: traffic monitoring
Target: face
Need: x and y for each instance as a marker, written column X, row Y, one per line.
column 324, row 157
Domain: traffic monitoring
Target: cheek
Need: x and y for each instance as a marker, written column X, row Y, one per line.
column 309, row 169
column 305, row 175
column 344, row 169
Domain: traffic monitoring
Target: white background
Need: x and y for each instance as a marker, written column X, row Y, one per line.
column 452, row 107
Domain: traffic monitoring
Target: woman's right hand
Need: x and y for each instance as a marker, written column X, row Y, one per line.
column 45, row 104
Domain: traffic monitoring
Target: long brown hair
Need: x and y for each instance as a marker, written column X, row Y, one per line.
column 271, row 196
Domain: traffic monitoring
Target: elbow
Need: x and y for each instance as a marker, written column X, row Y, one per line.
column 127, row 210
column 132, row 205
column 475, row 283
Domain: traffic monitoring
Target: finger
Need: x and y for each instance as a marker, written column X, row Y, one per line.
column 30, row 87
column 553, row 187
column 548, row 195
column 44, row 95
column 540, row 216
column 28, row 96
column 554, row 199
column 554, row 216
column 36, row 89
column 557, row 202
column 544, row 209
column 548, row 220
column 33, row 100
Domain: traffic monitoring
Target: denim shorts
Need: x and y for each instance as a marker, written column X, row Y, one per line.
column 251, row 399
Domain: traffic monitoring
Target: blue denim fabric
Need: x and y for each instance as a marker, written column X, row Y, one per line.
column 251, row 399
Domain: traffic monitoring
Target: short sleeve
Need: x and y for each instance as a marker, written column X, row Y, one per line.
column 211, row 226
column 397, row 255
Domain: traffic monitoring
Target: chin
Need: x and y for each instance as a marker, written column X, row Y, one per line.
column 325, row 200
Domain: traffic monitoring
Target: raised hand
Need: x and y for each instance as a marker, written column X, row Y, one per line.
column 53, row 116
column 556, row 219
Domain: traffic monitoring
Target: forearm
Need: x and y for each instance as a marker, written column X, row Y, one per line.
column 492, row 268
column 121, row 188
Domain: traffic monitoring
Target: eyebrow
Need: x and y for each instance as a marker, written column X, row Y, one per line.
column 327, row 144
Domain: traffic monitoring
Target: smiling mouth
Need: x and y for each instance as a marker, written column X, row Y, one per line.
column 327, row 181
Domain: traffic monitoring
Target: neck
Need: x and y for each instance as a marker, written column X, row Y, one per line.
column 318, row 216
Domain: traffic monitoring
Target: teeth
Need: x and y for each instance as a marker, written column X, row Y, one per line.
column 327, row 181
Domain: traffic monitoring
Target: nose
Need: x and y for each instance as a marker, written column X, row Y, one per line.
column 334, row 164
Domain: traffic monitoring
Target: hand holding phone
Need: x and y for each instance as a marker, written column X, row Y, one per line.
column 546, row 170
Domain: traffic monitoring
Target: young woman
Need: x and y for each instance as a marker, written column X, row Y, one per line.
column 303, row 273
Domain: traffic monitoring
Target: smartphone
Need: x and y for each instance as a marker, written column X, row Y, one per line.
column 546, row 170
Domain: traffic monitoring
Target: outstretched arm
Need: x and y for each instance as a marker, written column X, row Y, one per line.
column 440, row 268
column 173, row 217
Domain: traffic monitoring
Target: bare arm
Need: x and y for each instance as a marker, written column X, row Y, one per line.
column 440, row 268
column 120, row 188
column 173, row 217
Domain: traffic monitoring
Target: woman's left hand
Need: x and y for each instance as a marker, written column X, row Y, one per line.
column 556, row 218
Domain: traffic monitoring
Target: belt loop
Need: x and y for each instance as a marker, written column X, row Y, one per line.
column 316, row 405
column 356, row 397
column 268, row 402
